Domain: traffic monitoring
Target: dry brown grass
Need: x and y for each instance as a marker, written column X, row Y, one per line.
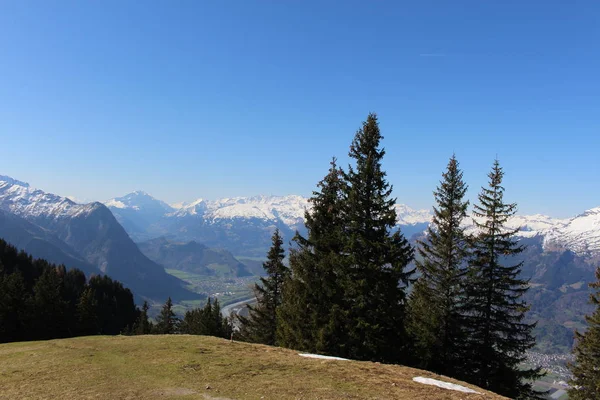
column 198, row 367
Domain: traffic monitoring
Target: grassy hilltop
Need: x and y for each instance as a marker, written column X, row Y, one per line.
column 198, row 367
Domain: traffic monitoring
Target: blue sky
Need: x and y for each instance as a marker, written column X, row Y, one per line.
column 207, row 99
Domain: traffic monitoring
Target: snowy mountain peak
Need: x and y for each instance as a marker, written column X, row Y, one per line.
column 19, row 198
column 11, row 181
column 288, row 209
column 590, row 212
column 410, row 216
column 138, row 200
column 196, row 207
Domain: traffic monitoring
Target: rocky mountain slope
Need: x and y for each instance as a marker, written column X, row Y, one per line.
column 87, row 232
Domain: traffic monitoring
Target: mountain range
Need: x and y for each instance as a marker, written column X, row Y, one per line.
column 210, row 237
column 85, row 236
column 242, row 225
column 228, row 222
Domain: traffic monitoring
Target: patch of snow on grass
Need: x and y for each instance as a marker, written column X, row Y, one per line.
column 322, row 357
column 443, row 385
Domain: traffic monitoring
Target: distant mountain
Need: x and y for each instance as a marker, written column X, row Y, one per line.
column 88, row 232
column 193, row 257
column 580, row 234
column 558, row 294
column 242, row 225
column 137, row 211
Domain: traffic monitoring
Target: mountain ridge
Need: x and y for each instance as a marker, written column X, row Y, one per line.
column 89, row 230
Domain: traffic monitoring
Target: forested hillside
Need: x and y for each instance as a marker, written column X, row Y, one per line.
column 40, row 300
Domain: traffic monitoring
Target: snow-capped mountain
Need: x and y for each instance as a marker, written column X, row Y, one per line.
column 228, row 216
column 289, row 209
column 242, row 225
column 137, row 211
column 20, row 199
column 56, row 228
column 139, row 201
column 580, row 234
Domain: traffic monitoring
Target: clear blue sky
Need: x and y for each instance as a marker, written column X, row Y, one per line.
column 209, row 99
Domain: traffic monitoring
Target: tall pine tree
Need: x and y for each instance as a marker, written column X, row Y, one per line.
column 494, row 309
column 312, row 307
column 261, row 324
column 435, row 323
column 377, row 256
column 586, row 369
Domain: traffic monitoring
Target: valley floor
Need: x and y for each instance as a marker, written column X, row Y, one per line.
column 198, row 367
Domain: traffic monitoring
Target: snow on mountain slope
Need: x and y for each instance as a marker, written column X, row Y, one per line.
column 289, row 209
column 528, row 225
column 139, row 200
column 409, row 216
column 19, row 198
column 580, row 234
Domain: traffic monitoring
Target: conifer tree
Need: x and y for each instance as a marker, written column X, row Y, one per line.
column 223, row 325
column 167, row 322
column 87, row 313
column 74, row 283
column 207, row 321
column 13, row 311
column 312, row 310
column 585, row 384
column 143, row 326
column 377, row 256
column 48, row 307
column 435, row 323
column 494, row 310
column 261, row 324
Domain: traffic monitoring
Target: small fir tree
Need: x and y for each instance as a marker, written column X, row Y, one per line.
column 13, row 312
column 435, row 323
column 87, row 315
column 143, row 326
column 207, row 321
column 167, row 322
column 585, row 384
column 261, row 324
column 48, row 306
column 494, row 310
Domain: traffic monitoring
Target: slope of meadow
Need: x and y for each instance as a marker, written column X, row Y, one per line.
column 198, row 367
